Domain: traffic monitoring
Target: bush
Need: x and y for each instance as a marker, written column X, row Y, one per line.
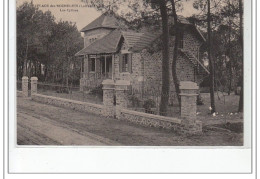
column 148, row 105
column 97, row 91
column 199, row 100
column 134, row 100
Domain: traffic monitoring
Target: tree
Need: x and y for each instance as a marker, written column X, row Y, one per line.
column 241, row 39
column 27, row 36
column 211, row 63
column 175, row 52
column 43, row 42
column 165, row 60
column 208, row 18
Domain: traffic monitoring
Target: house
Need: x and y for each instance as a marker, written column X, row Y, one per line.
column 113, row 52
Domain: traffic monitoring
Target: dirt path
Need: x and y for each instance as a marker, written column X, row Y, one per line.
column 41, row 124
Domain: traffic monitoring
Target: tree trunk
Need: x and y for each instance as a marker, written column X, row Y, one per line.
column 165, row 60
column 25, row 59
column 241, row 101
column 175, row 52
column 40, row 70
column 211, row 64
column 229, row 49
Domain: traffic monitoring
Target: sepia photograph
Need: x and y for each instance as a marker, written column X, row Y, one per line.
column 129, row 73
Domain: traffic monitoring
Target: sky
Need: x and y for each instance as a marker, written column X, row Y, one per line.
column 82, row 16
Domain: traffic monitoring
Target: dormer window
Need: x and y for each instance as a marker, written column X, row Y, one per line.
column 92, row 40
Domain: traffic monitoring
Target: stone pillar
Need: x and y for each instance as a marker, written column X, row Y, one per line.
column 121, row 89
column 81, row 84
column 108, row 97
column 34, row 81
column 25, row 86
column 189, row 93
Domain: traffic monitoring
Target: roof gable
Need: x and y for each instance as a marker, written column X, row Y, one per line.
column 107, row 44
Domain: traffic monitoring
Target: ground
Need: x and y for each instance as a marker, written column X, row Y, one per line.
column 41, row 124
column 226, row 107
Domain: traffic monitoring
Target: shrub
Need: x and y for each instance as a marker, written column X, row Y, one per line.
column 148, row 105
column 134, row 100
column 97, row 91
column 199, row 100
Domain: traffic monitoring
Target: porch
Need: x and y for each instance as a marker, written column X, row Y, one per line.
column 95, row 69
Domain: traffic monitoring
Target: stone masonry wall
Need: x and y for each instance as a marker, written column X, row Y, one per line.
column 71, row 104
column 150, row 120
column 183, row 126
column 185, row 68
column 191, row 42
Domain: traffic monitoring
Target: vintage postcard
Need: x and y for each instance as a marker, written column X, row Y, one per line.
column 133, row 74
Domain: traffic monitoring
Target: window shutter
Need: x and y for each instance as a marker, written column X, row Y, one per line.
column 130, row 63
column 120, row 62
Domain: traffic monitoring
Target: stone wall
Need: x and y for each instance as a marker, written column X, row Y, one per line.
column 187, row 125
column 71, row 104
column 152, row 65
column 191, row 42
column 149, row 120
column 185, row 69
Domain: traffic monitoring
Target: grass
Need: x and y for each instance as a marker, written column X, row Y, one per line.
column 226, row 109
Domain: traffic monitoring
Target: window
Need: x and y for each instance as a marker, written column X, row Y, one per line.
column 82, row 65
column 92, row 40
column 126, row 63
column 93, row 64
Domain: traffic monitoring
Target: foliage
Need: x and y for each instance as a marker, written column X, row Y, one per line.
column 134, row 100
column 46, row 48
column 97, row 91
column 199, row 100
column 148, row 105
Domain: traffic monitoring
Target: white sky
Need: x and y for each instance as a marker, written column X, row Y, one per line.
column 85, row 14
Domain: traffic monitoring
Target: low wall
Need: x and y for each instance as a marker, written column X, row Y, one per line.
column 71, row 104
column 151, row 120
column 181, row 126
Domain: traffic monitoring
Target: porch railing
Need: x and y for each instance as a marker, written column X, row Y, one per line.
column 96, row 75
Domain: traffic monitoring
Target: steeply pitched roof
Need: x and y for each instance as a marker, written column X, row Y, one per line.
column 105, row 21
column 145, row 40
column 107, row 44
column 131, row 38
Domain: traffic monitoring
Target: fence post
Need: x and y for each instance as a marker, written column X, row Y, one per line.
column 121, row 89
column 108, row 97
column 25, row 86
column 34, row 81
column 189, row 93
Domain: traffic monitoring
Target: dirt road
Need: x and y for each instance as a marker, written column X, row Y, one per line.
column 41, row 124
